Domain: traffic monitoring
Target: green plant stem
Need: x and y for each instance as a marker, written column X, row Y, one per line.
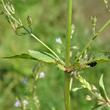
column 35, row 81
column 67, row 56
column 92, row 41
column 44, row 45
column 67, row 90
column 68, row 33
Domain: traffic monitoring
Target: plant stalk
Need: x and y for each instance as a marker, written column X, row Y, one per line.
column 68, row 33
column 67, row 56
column 67, row 90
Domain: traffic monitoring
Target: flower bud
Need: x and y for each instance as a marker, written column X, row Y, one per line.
column 76, row 89
column 74, row 47
column 93, row 87
column 14, row 27
column 72, row 28
column 93, row 20
column 13, row 24
column 29, row 20
column 88, row 98
column 12, row 9
column 70, row 53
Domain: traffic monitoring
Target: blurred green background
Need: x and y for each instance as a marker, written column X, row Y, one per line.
column 49, row 23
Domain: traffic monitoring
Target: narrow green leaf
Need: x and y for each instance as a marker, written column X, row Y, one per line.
column 61, row 67
column 36, row 55
column 95, row 58
column 43, row 56
column 96, row 106
column 102, row 89
column 99, row 57
column 24, row 56
column 103, row 107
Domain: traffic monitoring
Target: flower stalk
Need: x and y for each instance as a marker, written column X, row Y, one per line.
column 18, row 21
column 44, row 45
column 108, row 22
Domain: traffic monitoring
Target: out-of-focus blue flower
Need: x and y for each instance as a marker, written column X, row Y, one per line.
column 58, row 41
column 72, row 73
column 17, row 104
column 86, row 55
column 42, row 75
column 25, row 80
column 25, row 102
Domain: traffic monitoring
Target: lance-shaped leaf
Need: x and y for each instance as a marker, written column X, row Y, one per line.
column 100, row 57
column 102, row 89
column 43, row 56
column 23, row 56
column 97, row 106
column 36, row 55
column 94, row 59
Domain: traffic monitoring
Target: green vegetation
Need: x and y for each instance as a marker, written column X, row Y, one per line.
column 49, row 23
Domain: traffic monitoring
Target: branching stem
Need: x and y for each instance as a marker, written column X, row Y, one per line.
column 20, row 23
column 108, row 22
column 43, row 44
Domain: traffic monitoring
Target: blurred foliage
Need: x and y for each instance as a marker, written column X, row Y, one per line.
column 49, row 23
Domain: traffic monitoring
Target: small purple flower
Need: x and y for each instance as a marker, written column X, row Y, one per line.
column 72, row 73
column 42, row 75
column 25, row 102
column 58, row 41
column 25, row 80
column 64, row 64
column 86, row 55
column 17, row 104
